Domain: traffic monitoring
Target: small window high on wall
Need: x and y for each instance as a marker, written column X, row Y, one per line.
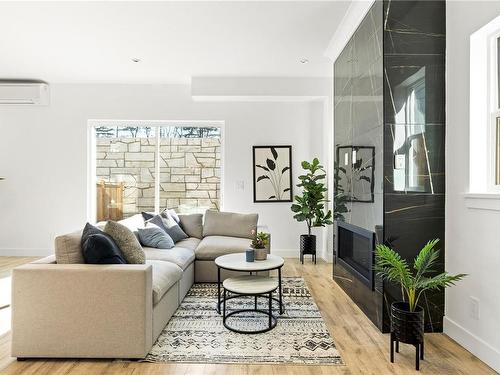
column 149, row 166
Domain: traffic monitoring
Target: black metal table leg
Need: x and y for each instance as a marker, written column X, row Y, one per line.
column 417, row 357
column 270, row 309
column 224, row 307
column 397, row 346
column 392, row 347
column 280, row 291
column 218, row 290
column 422, row 350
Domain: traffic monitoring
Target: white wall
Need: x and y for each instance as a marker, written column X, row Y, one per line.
column 472, row 235
column 43, row 155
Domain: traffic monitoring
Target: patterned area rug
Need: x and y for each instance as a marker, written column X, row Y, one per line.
column 195, row 334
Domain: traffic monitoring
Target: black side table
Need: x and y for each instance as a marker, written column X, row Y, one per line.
column 250, row 285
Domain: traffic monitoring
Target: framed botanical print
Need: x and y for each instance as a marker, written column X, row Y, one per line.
column 272, row 174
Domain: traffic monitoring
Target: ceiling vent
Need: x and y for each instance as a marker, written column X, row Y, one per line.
column 27, row 93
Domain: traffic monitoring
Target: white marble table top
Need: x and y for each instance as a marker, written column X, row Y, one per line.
column 250, row 284
column 237, row 262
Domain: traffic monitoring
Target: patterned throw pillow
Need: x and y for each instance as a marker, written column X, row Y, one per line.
column 166, row 213
column 153, row 236
column 126, row 241
column 169, row 226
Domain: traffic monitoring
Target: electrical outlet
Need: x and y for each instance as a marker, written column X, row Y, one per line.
column 474, row 308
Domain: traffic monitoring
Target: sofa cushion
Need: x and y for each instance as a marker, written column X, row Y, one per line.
column 178, row 255
column 126, row 241
column 230, row 224
column 99, row 248
column 154, row 236
column 192, row 225
column 165, row 275
column 190, row 243
column 68, row 249
column 213, row 246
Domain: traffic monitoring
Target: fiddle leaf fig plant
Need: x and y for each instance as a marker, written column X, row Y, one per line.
column 310, row 207
column 390, row 266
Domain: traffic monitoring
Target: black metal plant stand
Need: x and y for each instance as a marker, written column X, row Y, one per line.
column 307, row 246
column 419, row 351
column 407, row 327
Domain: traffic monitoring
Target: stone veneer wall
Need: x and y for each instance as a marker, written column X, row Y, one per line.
column 189, row 172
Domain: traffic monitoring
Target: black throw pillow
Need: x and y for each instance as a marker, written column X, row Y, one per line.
column 98, row 248
column 89, row 230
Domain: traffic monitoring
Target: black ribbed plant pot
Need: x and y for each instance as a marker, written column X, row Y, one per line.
column 407, row 327
column 307, row 246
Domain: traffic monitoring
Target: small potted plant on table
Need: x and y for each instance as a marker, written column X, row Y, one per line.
column 310, row 207
column 407, row 317
column 260, row 244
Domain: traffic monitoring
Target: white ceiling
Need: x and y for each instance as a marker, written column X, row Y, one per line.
column 95, row 42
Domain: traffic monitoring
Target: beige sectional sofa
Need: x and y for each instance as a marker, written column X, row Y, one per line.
column 63, row 308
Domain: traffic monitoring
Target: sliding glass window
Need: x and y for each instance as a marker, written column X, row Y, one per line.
column 150, row 168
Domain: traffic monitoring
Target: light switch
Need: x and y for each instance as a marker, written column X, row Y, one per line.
column 240, row 185
column 399, row 161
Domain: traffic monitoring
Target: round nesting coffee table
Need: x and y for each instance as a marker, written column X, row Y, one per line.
column 237, row 262
column 250, row 285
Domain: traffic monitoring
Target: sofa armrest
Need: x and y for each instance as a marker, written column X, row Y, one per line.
column 81, row 311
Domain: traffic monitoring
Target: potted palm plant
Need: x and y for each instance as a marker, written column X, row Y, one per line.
column 407, row 316
column 310, row 207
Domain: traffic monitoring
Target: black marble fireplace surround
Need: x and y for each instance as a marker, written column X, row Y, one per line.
column 390, row 94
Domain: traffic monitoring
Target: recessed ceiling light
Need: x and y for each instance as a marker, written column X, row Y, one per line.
column 136, row 60
column 304, row 61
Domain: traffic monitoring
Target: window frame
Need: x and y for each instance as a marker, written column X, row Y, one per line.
column 91, row 154
column 493, row 152
column 483, row 111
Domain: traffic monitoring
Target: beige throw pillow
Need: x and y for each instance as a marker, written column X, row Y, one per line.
column 126, row 241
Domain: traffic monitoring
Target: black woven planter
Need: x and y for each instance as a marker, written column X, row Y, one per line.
column 407, row 327
column 307, row 246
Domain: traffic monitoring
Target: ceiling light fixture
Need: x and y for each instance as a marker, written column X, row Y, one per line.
column 136, row 60
column 304, row 61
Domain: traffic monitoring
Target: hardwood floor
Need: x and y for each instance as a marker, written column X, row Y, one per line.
column 364, row 349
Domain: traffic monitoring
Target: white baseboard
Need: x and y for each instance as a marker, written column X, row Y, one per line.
column 25, row 252
column 477, row 346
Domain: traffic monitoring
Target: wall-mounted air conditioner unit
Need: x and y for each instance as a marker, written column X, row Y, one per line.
column 30, row 93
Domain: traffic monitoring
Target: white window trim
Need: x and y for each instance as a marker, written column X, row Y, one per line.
column 91, row 153
column 483, row 193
